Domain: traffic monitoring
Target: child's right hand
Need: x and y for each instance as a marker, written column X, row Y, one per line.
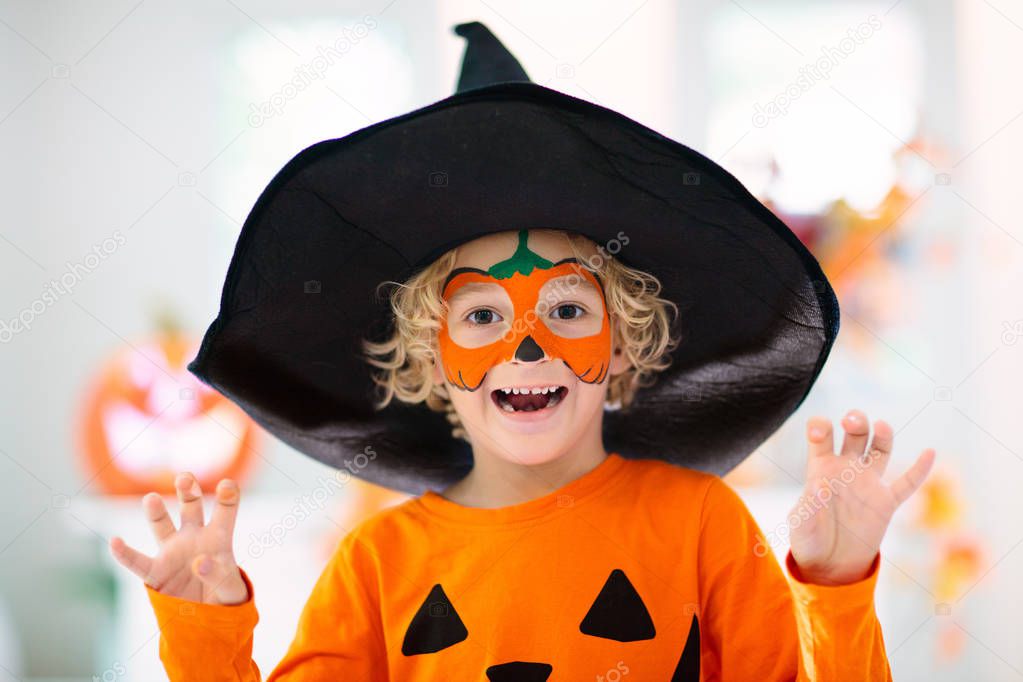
column 196, row 561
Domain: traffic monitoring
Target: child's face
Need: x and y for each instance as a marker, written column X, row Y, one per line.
column 520, row 318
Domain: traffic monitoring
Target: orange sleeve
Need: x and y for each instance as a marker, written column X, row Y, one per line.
column 206, row 641
column 757, row 624
column 839, row 634
column 338, row 634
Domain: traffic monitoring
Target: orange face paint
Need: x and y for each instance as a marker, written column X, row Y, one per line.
column 529, row 336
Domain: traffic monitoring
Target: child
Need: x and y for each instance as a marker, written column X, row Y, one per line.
column 531, row 552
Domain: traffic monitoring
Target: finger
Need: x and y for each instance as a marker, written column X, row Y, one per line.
column 880, row 451
column 221, row 580
column 132, row 559
column 226, row 508
column 160, row 521
column 190, row 497
column 856, row 432
column 820, row 437
column 908, row 483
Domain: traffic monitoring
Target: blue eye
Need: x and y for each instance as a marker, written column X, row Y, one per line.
column 488, row 317
column 558, row 311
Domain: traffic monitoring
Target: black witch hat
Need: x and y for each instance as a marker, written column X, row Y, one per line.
column 757, row 315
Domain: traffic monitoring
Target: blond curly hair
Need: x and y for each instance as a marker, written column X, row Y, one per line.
column 641, row 328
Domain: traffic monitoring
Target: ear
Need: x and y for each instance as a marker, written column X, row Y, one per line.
column 619, row 361
column 438, row 373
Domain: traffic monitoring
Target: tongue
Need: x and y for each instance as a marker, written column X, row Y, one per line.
column 528, row 401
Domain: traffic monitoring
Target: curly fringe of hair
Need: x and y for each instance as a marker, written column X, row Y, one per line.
column 641, row 326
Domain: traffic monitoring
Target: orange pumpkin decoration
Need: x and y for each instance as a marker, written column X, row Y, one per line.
column 144, row 418
column 940, row 502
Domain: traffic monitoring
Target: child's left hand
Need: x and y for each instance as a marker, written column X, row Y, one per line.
column 847, row 505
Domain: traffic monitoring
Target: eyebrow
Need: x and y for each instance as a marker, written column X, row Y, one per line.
column 557, row 285
column 471, row 288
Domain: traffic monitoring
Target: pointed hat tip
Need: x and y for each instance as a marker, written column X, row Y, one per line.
column 486, row 60
column 464, row 29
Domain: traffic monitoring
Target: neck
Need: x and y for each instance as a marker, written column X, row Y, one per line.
column 499, row 481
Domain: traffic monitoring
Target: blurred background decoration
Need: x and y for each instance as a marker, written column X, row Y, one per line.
column 144, row 418
column 959, row 553
column 885, row 134
column 842, row 235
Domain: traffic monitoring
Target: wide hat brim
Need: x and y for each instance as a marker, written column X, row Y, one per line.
column 757, row 315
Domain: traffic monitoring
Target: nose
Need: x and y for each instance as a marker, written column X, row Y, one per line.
column 519, row 671
column 528, row 351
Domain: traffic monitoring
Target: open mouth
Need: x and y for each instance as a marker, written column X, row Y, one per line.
column 528, row 399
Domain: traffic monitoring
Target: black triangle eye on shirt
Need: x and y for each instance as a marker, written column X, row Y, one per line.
column 617, row 613
column 435, row 626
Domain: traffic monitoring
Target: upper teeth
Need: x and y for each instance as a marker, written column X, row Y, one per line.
column 516, row 391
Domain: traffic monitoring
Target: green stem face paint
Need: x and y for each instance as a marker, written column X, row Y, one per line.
column 522, row 261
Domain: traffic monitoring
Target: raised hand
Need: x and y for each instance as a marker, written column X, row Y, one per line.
column 845, row 508
column 195, row 561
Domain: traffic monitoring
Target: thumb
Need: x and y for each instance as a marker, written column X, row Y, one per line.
column 222, row 581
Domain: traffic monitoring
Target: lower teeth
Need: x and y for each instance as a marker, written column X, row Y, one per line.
column 554, row 400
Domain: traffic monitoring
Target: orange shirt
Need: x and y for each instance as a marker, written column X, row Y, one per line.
column 638, row 569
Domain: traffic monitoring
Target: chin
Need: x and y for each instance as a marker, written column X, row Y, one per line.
column 533, row 451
